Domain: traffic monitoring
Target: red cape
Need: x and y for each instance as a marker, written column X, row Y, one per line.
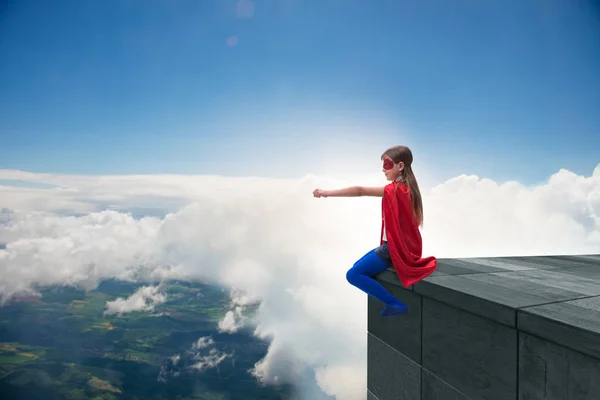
column 403, row 235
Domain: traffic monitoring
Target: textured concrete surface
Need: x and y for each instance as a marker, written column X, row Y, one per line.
column 396, row 376
column 549, row 371
column 523, row 282
column 574, row 324
column 434, row 388
column 469, row 352
column 371, row 396
column 501, row 328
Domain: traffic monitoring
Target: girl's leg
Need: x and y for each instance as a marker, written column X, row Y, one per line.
column 360, row 275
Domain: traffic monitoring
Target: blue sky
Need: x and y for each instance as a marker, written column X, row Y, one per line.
column 503, row 89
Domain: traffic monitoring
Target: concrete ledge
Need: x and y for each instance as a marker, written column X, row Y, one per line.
column 397, row 378
column 491, row 328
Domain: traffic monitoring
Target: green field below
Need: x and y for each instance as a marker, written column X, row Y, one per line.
column 62, row 346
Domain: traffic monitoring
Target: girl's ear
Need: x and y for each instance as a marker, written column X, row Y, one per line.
column 401, row 166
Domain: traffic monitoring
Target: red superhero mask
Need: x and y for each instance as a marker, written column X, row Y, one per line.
column 388, row 164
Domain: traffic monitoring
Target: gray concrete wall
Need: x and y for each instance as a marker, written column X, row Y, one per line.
column 491, row 329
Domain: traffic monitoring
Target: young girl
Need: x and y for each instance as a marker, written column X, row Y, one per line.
column 400, row 242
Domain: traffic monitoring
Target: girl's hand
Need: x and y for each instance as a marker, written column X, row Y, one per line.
column 319, row 193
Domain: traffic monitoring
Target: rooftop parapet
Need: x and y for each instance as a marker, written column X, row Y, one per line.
column 498, row 328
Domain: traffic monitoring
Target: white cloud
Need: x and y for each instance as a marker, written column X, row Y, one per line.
column 204, row 358
column 203, row 342
column 210, row 360
column 202, row 355
column 232, row 321
column 486, row 218
column 144, row 299
column 344, row 380
column 273, row 242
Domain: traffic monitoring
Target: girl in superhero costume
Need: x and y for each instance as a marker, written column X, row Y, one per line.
column 400, row 241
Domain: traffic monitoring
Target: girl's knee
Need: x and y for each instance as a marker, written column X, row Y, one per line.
column 351, row 275
column 354, row 273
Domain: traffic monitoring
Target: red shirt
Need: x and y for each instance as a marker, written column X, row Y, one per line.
column 403, row 235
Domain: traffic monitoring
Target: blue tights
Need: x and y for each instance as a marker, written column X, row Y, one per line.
column 360, row 275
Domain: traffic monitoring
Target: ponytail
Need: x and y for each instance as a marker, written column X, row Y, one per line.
column 415, row 194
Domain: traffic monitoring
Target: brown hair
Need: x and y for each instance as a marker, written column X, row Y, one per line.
column 403, row 154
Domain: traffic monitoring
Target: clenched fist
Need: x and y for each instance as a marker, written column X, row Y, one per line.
column 319, row 193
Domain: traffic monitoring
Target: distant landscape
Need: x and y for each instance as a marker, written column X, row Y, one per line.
column 62, row 346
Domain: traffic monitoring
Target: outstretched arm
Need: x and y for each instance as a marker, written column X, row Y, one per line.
column 354, row 191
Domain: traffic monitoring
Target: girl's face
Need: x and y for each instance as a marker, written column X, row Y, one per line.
column 392, row 170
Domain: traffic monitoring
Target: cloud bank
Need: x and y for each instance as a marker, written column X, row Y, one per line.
column 271, row 242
